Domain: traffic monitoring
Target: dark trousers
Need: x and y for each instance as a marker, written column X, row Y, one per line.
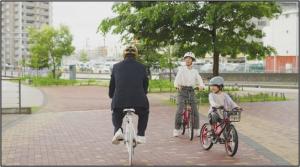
column 182, row 96
column 143, row 114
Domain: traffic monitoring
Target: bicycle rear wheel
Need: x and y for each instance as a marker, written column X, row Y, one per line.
column 205, row 136
column 231, row 141
column 130, row 147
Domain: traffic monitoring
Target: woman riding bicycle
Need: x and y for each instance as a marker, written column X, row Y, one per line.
column 186, row 80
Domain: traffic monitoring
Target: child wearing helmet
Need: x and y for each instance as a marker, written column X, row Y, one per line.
column 186, row 80
column 217, row 98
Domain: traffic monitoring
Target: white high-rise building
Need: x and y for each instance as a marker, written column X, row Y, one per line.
column 16, row 18
column 282, row 32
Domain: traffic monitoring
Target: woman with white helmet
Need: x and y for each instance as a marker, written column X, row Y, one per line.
column 186, row 80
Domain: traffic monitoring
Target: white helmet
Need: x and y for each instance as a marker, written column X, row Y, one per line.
column 189, row 54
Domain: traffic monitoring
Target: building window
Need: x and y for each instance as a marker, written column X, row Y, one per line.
column 262, row 23
column 29, row 7
column 287, row 31
column 29, row 14
column 287, row 15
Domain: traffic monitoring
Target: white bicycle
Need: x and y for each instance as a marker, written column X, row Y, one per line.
column 130, row 135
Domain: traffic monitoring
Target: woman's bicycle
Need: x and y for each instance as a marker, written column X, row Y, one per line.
column 130, row 135
column 188, row 114
column 224, row 132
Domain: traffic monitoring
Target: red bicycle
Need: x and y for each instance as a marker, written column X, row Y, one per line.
column 188, row 114
column 224, row 132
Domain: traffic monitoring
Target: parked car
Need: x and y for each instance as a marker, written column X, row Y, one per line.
column 102, row 69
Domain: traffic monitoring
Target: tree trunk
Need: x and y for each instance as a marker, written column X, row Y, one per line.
column 170, row 73
column 216, row 64
column 54, row 68
column 149, row 73
column 215, row 49
column 215, row 53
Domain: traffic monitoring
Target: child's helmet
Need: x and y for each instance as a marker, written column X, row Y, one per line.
column 218, row 81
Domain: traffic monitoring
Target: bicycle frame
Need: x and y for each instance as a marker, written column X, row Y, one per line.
column 187, row 110
column 225, row 122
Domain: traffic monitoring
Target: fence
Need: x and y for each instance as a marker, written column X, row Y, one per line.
column 12, row 94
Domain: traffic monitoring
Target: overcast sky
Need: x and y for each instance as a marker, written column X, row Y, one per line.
column 83, row 19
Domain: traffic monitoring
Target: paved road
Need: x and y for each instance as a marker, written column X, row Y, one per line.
column 74, row 128
column 30, row 96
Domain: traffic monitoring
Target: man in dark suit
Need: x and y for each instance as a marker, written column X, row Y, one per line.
column 128, row 89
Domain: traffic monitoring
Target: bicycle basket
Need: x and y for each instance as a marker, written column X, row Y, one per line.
column 235, row 116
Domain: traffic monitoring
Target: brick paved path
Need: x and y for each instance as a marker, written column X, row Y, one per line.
column 74, row 128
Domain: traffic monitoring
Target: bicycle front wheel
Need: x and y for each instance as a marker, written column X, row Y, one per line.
column 231, row 141
column 183, row 125
column 205, row 136
column 191, row 125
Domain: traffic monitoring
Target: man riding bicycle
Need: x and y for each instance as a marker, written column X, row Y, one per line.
column 128, row 89
column 186, row 80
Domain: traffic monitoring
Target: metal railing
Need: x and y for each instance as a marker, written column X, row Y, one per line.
column 19, row 101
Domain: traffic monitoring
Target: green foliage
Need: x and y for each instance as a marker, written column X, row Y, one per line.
column 83, row 56
column 221, row 28
column 161, row 86
column 50, row 81
column 48, row 45
column 260, row 97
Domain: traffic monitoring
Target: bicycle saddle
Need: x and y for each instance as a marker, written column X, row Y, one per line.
column 129, row 110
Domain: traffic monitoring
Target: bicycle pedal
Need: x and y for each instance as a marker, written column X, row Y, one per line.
column 221, row 141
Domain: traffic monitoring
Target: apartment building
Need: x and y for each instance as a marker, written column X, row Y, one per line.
column 16, row 18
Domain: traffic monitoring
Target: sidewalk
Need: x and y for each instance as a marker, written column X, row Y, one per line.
column 76, row 129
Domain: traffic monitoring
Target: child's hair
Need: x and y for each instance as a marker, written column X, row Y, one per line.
column 221, row 87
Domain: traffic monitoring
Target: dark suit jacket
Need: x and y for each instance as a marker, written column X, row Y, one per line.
column 129, row 85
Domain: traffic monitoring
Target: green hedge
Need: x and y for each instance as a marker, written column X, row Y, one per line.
column 167, row 86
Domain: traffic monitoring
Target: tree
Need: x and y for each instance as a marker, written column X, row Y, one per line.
column 167, row 61
column 217, row 28
column 83, row 56
column 48, row 44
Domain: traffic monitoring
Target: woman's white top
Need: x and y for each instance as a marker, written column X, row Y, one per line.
column 188, row 77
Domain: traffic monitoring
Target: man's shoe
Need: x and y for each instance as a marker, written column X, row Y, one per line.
column 141, row 139
column 118, row 137
column 176, row 132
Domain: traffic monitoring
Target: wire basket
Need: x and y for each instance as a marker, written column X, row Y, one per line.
column 235, row 116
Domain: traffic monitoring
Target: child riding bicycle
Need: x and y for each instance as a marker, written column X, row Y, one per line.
column 185, row 81
column 219, row 99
